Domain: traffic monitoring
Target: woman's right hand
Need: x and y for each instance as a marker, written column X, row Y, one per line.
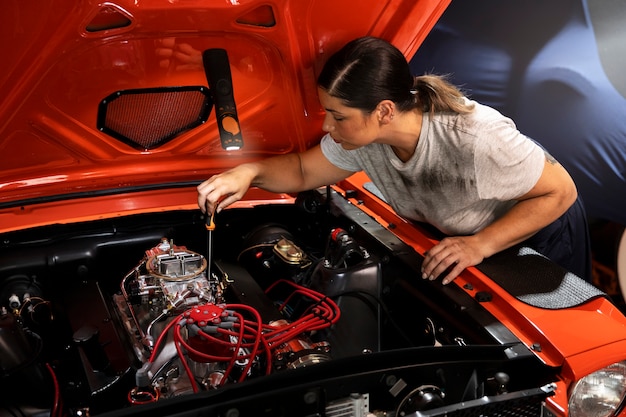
column 223, row 189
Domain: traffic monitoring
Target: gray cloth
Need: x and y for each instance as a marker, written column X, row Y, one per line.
column 464, row 173
column 534, row 279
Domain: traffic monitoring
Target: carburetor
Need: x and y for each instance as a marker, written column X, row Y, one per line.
column 169, row 280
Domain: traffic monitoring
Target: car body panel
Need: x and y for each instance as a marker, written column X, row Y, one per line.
column 50, row 143
column 557, row 332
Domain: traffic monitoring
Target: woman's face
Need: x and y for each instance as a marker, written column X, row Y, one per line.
column 350, row 127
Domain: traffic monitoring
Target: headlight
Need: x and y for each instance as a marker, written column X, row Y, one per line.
column 600, row 393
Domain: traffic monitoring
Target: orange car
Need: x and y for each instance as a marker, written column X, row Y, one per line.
column 119, row 298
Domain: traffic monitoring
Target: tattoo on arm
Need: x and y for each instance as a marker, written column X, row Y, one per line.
column 550, row 159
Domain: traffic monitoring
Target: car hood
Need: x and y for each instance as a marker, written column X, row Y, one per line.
column 97, row 95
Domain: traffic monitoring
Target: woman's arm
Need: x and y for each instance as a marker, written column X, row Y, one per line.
column 285, row 173
column 551, row 196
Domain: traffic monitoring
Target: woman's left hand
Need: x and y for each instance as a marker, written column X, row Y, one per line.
column 450, row 257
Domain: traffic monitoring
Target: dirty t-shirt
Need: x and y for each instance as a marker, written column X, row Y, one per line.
column 466, row 170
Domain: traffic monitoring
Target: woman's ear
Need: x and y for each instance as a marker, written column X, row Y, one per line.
column 385, row 111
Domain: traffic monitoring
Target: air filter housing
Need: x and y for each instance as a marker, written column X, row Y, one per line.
column 147, row 118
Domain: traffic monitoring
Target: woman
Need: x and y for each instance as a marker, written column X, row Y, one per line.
column 436, row 156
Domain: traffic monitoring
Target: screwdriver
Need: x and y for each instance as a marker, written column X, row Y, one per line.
column 210, row 226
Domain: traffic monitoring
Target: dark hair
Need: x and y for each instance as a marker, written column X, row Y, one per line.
column 368, row 70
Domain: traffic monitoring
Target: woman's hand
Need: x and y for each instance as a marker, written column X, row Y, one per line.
column 223, row 189
column 450, row 257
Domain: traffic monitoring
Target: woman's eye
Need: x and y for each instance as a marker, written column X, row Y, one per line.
column 338, row 119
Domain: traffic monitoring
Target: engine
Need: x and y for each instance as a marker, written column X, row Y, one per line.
column 294, row 311
column 189, row 337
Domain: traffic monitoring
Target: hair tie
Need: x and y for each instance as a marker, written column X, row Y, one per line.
column 413, row 91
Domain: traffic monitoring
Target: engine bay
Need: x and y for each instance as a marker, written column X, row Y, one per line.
column 127, row 314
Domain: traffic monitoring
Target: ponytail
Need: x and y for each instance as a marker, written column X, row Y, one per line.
column 433, row 93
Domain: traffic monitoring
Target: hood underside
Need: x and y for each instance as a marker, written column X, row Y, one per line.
column 100, row 96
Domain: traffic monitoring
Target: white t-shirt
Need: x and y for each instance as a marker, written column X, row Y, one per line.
column 466, row 170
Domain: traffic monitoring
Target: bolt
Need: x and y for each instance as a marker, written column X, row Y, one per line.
column 232, row 412
column 310, row 397
column 390, row 380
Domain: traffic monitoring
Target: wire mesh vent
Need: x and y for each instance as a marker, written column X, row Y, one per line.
column 148, row 118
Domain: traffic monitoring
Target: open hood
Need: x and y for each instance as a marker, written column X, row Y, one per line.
column 73, row 70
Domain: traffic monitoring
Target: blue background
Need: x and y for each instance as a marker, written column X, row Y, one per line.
column 557, row 68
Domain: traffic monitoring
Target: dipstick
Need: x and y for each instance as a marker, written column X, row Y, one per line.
column 210, row 226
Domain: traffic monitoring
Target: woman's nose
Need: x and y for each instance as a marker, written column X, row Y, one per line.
column 327, row 126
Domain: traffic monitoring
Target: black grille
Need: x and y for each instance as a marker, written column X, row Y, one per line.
column 527, row 403
column 148, row 118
